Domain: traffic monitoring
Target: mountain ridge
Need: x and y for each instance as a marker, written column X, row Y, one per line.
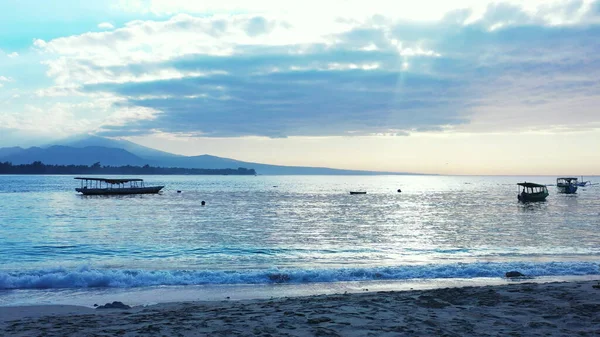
column 91, row 140
column 87, row 150
column 65, row 155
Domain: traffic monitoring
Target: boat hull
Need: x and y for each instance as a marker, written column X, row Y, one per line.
column 120, row 191
column 568, row 189
column 529, row 197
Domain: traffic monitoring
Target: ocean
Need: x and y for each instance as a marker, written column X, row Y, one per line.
column 261, row 236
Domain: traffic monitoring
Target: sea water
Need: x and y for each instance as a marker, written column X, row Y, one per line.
column 256, row 233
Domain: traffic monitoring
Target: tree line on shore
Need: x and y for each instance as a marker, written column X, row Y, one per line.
column 37, row 167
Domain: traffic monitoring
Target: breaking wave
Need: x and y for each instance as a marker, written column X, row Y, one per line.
column 87, row 277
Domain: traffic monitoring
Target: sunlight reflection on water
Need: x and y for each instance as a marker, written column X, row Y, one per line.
column 306, row 221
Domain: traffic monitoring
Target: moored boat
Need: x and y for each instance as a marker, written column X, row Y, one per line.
column 109, row 186
column 583, row 183
column 358, row 192
column 532, row 192
column 567, row 185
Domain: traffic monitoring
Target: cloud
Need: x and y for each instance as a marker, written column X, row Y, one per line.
column 302, row 103
column 4, row 79
column 18, row 137
column 63, row 111
column 424, row 10
column 106, row 25
column 13, row 54
column 479, row 69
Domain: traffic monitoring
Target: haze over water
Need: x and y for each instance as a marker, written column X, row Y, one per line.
column 289, row 229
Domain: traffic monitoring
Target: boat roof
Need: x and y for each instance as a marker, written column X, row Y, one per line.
column 110, row 180
column 526, row 184
column 567, row 178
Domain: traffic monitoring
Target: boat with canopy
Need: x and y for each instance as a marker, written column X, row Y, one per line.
column 532, row 192
column 110, row 186
column 567, row 185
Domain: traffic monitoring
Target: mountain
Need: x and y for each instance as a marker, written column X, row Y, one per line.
column 208, row 161
column 87, row 150
column 66, row 155
column 5, row 151
column 82, row 141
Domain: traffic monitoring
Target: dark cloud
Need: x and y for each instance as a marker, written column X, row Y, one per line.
column 434, row 78
column 298, row 103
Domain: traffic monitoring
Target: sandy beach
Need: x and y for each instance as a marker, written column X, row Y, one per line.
column 520, row 309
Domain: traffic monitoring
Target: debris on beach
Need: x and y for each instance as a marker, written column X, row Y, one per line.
column 279, row 278
column 514, row 274
column 114, row 305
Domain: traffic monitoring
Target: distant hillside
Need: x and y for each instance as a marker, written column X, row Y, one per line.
column 138, row 150
column 41, row 168
column 209, row 161
column 5, row 151
column 65, row 155
column 87, row 150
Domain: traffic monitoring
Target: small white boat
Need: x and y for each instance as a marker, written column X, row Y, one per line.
column 106, row 186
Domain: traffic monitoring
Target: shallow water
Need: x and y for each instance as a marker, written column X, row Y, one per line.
column 290, row 229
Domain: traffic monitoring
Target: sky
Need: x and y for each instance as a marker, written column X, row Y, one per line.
column 448, row 87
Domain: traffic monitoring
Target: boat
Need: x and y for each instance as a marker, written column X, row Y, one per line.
column 583, row 183
column 567, row 185
column 358, row 192
column 532, row 192
column 106, row 186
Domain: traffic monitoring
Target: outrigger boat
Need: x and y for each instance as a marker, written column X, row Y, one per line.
column 583, row 183
column 105, row 186
column 532, row 192
column 567, row 185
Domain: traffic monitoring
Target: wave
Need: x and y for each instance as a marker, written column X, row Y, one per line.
column 87, row 277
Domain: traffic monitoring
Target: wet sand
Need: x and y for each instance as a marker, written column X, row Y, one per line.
column 520, row 309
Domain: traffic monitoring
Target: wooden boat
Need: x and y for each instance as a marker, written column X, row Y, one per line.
column 532, row 192
column 567, row 185
column 105, row 186
column 358, row 192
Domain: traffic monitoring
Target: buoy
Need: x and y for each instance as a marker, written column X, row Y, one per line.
column 203, row 203
column 399, row 190
column 178, row 191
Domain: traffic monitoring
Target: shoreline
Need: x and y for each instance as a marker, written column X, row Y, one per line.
column 524, row 308
column 143, row 296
